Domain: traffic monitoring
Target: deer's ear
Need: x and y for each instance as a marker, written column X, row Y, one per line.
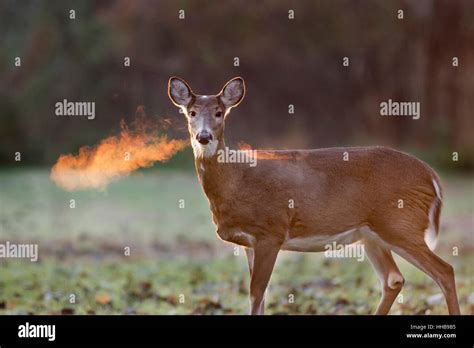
column 179, row 92
column 233, row 92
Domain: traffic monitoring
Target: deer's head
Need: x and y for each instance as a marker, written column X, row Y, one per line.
column 206, row 113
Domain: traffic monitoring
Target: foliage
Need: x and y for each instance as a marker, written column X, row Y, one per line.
column 175, row 251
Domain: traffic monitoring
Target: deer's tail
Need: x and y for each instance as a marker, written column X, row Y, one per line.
column 432, row 232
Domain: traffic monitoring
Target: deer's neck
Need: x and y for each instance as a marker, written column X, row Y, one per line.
column 213, row 175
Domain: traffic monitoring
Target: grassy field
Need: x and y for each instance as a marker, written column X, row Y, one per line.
column 176, row 263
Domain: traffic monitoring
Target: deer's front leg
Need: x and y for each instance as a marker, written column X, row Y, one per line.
column 263, row 256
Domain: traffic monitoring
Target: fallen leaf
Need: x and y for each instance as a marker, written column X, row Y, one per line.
column 145, row 286
column 171, row 299
column 67, row 311
column 102, row 299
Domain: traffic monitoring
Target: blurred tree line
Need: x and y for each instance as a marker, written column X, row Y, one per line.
column 284, row 61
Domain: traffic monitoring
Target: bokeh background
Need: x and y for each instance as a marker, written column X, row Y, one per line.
column 175, row 251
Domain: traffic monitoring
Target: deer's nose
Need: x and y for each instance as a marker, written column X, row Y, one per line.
column 204, row 137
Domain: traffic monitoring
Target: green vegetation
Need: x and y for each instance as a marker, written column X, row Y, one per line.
column 175, row 251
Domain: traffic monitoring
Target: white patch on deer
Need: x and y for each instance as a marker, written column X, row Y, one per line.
column 436, row 187
column 204, row 151
column 394, row 280
column 431, row 235
column 318, row 242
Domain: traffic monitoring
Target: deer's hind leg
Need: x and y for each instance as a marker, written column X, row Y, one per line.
column 389, row 275
column 440, row 271
column 407, row 240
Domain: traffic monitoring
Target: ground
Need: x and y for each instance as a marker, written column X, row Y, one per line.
column 177, row 265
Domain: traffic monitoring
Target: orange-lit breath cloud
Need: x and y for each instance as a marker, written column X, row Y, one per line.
column 115, row 157
column 263, row 154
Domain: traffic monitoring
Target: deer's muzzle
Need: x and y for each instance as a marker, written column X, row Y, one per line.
column 204, row 137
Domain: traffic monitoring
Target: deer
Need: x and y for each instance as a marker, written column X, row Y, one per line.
column 342, row 194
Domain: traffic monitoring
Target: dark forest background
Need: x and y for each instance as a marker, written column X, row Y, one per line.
column 283, row 61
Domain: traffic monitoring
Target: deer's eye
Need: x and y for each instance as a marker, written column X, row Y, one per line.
column 193, row 113
column 218, row 114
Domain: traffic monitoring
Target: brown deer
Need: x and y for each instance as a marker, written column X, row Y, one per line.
column 303, row 200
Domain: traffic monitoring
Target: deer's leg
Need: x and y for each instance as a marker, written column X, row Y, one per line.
column 264, row 257
column 389, row 275
column 250, row 256
column 442, row 272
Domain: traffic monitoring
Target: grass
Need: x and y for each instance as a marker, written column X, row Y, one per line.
column 176, row 263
